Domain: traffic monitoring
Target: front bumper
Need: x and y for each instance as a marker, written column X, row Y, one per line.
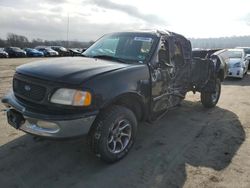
column 54, row 126
column 235, row 72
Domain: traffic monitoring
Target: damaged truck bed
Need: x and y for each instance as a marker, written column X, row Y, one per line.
column 121, row 79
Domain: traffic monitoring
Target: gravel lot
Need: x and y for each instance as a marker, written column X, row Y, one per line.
column 190, row 147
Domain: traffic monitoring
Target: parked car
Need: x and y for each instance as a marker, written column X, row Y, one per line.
column 221, row 56
column 15, row 52
column 83, row 49
column 48, row 52
column 33, row 52
column 74, row 52
column 3, row 53
column 124, row 78
column 61, row 50
column 246, row 50
column 238, row 63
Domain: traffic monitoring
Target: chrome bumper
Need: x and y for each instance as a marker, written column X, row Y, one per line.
column 57, row 129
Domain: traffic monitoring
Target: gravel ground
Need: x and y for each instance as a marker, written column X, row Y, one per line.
column 189, row 147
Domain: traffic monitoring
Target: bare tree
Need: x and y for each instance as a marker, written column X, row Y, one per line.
column 2, row 43
column 17, row 40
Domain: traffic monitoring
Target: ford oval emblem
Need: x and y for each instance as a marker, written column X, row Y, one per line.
column 27, row 88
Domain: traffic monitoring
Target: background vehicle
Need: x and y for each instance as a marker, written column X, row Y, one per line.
column 238, row 63
column 48, row 52
column 15, row 52
column 124, row 78
column 74, row 52
column 61, row 50
column 247, row 52
column 3, row 53
column 33, row 52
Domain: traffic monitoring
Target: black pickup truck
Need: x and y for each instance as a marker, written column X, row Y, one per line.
column 122, row 79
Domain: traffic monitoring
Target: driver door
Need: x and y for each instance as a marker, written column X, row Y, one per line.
column 161, row 74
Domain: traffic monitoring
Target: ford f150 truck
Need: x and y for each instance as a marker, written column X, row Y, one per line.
column 123, row 78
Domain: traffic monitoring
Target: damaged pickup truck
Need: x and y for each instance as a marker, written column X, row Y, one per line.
column 122, row 79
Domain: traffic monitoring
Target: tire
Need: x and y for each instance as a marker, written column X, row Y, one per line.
column 209, row 99
column 113, row 133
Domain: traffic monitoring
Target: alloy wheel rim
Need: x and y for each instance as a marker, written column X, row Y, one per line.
column 119, row 136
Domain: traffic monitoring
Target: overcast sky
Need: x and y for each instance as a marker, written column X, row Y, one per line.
column 89, row 19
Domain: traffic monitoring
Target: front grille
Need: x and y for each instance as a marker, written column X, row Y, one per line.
column 36, row 99
column 29, row 91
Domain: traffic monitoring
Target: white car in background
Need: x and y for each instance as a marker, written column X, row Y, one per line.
column 247, row 52
column 238, row 63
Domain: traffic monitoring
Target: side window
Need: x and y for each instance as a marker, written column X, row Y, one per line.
column 163, row 54
column 247, row 51
column 177, row 57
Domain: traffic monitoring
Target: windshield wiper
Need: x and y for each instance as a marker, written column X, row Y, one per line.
column 110, row 58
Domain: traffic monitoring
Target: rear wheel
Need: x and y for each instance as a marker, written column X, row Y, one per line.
column 113, row 133
column 209, row 99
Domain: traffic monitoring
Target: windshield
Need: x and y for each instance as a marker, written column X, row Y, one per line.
column 16, row 49
column 247, row 50
column 49, row 50
column 127, row 46
column 63, row 49
column 234, row 54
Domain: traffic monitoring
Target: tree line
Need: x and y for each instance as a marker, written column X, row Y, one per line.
column 222, row 42
column 23, row 42
column 206, row 43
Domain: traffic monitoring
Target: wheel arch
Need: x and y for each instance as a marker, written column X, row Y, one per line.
column 221, row 75
column 133, row 101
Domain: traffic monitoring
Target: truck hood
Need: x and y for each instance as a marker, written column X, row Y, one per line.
column 72, row 70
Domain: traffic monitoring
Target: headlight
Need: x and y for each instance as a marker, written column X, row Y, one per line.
column 71, row 97
column 237, row 65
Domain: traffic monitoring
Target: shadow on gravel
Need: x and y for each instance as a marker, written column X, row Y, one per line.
column 187, row 135
column 237, row 81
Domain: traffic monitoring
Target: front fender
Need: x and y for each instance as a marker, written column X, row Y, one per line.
column 107, row 87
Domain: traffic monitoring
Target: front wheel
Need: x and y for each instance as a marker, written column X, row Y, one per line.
column 113, row 133
column 209, row 99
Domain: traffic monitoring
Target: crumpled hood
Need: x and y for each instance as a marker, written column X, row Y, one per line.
column 72, row 70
